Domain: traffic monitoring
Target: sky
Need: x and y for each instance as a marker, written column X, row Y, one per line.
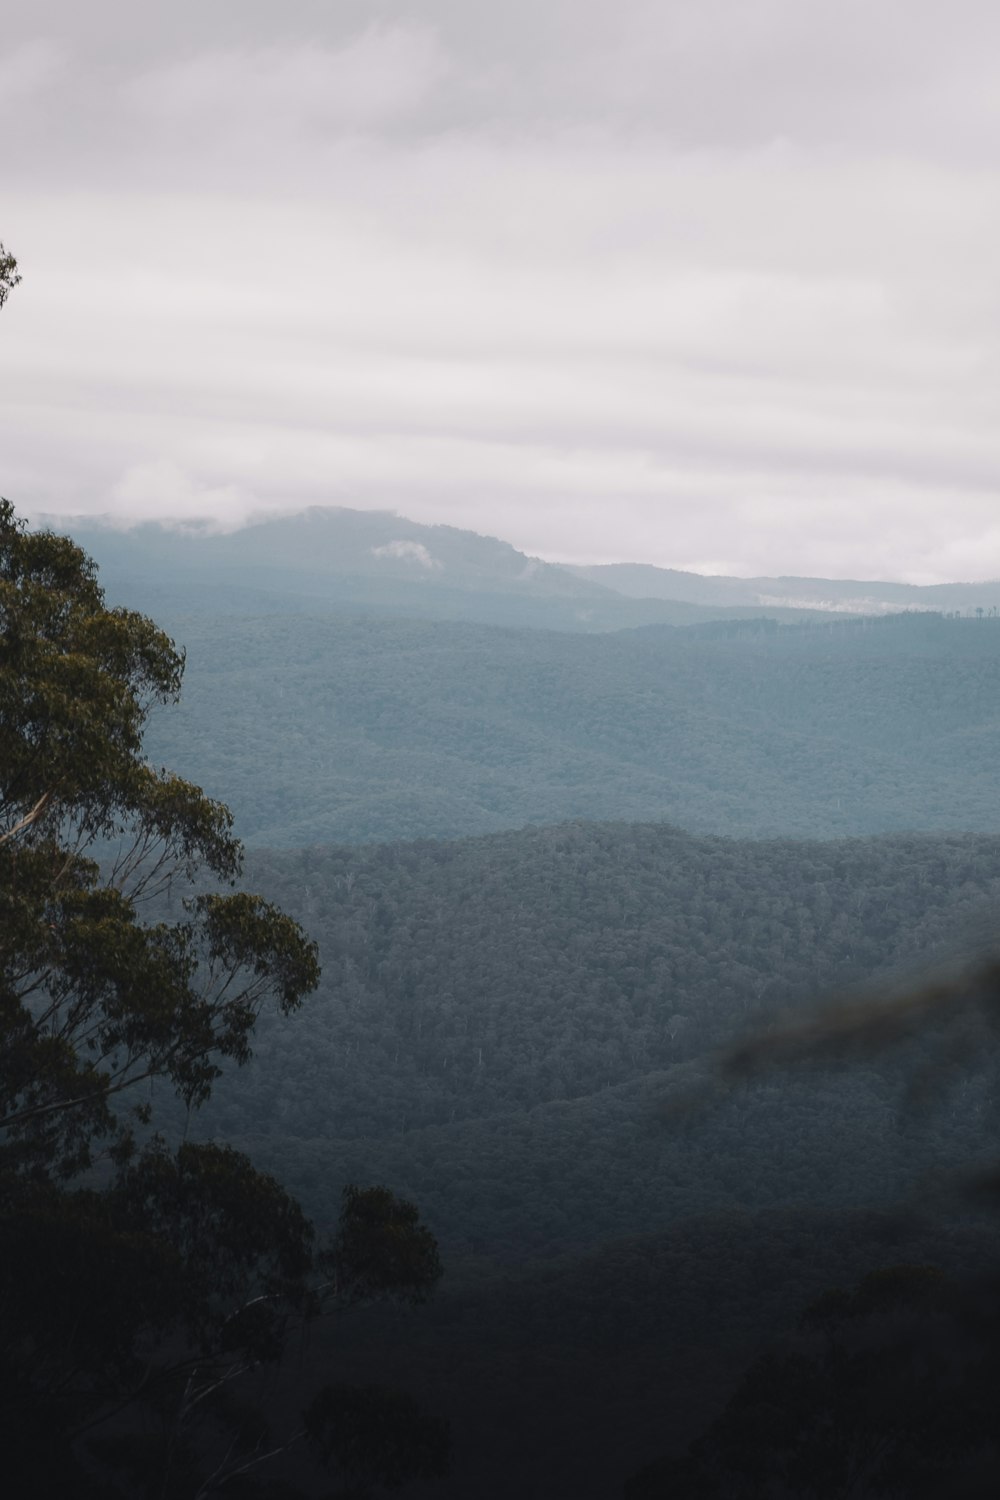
column 709, row 285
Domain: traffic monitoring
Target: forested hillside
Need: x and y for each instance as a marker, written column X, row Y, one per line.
column 519, row 1032
column 500, row 1015
column 321, row 729
column 562, row 1379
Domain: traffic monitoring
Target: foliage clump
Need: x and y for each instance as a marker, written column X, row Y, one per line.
column 142, row 1286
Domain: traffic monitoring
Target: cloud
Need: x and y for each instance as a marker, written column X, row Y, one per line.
column 381, row 74
column 163, row 490
column 408, row 552
column 28, row 72
column 710, row 286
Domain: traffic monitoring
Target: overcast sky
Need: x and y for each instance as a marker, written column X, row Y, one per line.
column 713, row 284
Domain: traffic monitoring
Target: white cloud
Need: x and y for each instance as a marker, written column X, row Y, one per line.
column 702, row 285
column 378, row 76
column 405, row 551
column 161, row 489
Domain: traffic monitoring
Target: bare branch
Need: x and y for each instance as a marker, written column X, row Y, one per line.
column 28, row 819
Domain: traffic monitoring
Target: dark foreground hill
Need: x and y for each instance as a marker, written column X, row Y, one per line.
column 501, row 1021
column 501, row 1025
column 349, row 729
column 564, row 1379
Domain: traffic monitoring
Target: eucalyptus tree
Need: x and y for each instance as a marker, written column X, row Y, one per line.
column 95, row 998
column 9, row 274
column 140, row 1284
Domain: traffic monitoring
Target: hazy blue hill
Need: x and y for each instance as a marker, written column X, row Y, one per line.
column 856, row 596
column 349, row 728
column 645, row 581
column 319, row 542
column 334, row 557
column 328, row 559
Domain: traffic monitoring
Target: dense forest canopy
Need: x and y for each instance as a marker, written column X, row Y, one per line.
column 491, row 1004
column 520, row 1031
column 351, row 729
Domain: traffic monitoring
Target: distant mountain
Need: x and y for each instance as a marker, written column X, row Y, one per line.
column 327, row 559
column 317, row 543
column 841, row 595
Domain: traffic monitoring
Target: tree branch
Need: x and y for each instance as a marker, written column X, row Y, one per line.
column 28, row 819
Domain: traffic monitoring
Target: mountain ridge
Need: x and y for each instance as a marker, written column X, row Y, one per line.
column 338, row 557
column 790, row 591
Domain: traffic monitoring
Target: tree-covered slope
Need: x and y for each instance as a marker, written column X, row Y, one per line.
column 562, row 1379
column 506, row 1027
column 354, row 728
column 503, row 1019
